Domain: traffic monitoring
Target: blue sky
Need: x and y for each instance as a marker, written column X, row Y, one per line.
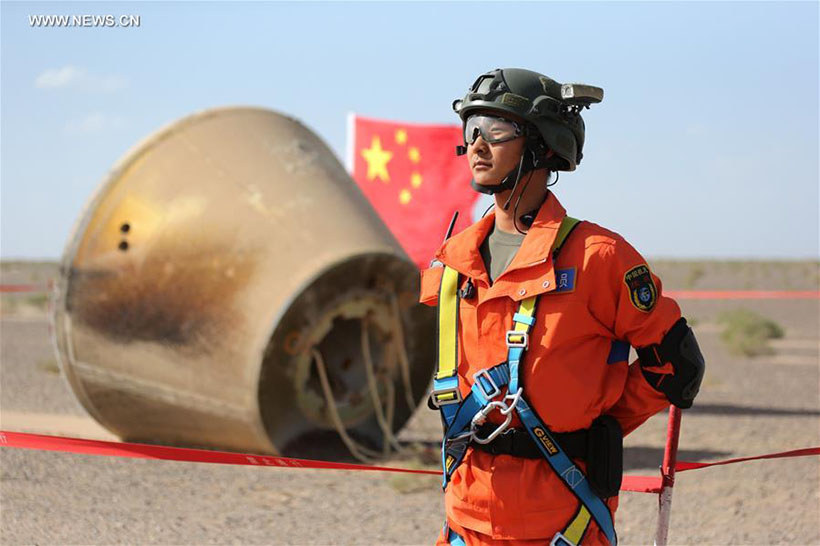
column 706, row 144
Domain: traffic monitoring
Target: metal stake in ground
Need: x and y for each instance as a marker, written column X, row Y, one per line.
column 670, row 456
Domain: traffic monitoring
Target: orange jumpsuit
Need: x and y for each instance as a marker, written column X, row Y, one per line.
column 586, row 302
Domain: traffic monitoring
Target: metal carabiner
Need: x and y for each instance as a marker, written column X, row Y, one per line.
column 482, row 414
column 466, row 434
column 480, row 417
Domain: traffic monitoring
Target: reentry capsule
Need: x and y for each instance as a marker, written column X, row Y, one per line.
column 208, row 271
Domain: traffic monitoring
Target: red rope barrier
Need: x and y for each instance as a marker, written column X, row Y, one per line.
column 147, row 451
column 677, row 294
column 640, row 484
column 806, row 452
column 742, row 295
column 23, row 288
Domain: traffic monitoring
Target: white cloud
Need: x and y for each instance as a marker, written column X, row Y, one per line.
column 94, row 123
column 79, row 78
column 58, row 77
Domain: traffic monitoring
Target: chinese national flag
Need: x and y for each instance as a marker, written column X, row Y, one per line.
column 413, row 178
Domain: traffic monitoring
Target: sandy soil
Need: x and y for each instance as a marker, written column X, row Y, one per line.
column 747, row 406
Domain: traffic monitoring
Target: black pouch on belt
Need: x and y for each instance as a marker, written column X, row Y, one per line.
column 605, row 456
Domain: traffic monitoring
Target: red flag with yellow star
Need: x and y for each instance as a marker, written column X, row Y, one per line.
column 413, row 178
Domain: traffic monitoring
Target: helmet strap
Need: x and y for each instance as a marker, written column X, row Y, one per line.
column 518, row 173
column 517, row 202
column 508, row 183
column 531, row 160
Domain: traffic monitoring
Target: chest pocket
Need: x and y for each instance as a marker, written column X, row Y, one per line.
column 467, row 303
column 474, row 325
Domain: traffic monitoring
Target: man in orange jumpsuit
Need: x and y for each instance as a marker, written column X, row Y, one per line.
column 595, row 297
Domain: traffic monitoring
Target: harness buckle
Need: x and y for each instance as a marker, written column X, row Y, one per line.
column 560, row 540
column 515, row 398
column 478, row 379
column 445, row 396
column 517, row 339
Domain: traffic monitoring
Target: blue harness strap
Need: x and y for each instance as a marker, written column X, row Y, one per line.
column 478, row 398
column 458, row 417
column 570, row 474
column 563, row 466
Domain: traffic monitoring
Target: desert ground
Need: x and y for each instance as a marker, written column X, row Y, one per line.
column 748, row 405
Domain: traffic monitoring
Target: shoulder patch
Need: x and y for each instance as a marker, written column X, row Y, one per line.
column 642, row 289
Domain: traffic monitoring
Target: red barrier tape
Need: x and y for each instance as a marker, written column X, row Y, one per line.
column 640, row 484
column 147, row 451
column 685, row 465
column 677, row 294
column 741, row 295
column 23, row 288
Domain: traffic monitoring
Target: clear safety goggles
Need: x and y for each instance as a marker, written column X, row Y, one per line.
column 491, row 128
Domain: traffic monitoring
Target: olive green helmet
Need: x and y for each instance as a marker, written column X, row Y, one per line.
column 553, row 109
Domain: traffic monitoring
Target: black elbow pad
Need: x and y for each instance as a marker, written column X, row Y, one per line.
column 679, row 347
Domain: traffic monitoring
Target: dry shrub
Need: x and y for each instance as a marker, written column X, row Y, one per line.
column 748, row 333
column 48, row 365
column 38, row 300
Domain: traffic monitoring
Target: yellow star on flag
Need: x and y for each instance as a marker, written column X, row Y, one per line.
column 415, row 180
column 414, row 154
column 401, row 136
column 377, row 159
column 405, row 196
